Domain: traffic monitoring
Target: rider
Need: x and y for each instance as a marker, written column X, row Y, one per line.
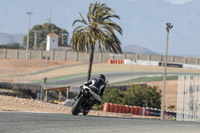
column 96, row 83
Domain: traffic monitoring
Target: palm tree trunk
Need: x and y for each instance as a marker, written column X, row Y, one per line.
column 90, row 62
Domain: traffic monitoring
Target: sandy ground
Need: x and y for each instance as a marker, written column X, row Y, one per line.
column 170, row 92
column 104, row 67
column 10, row 67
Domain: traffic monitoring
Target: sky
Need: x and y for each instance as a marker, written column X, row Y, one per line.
column 143, row 21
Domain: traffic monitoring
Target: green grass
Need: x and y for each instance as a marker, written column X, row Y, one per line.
column 146, row 79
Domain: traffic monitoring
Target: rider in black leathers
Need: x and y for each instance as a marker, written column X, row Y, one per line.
column 96, row 83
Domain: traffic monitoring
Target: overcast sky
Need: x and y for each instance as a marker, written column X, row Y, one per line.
column 143, row 21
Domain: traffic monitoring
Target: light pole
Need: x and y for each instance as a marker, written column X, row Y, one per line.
column 27, row 44
column 169, row 26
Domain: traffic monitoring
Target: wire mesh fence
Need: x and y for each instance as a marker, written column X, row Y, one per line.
column 188, row 98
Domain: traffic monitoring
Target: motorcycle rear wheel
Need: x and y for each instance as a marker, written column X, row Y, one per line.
column 76, row 107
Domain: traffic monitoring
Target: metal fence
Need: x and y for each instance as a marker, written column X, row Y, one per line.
column 188, row 98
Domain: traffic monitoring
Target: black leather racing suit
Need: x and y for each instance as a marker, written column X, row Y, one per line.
column 97, row 83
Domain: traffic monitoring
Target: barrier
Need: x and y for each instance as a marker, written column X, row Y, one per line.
column 136, row 110
column 106, row 107
column 131, row 109
column 115, row 108
column 119, row 108
column 111, row 107
column 147, row 111
column 139, row 111
column 140, row 62
column 166, row 115
column 126, row 109
column 154, row 112
column 123, row 109
column 115, row 61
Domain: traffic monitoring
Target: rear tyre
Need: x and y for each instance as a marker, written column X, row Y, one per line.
column 76, row 107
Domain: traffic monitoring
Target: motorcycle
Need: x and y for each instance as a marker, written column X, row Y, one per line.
column 82, row 104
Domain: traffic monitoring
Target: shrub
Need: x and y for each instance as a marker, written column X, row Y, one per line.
column 135, row 95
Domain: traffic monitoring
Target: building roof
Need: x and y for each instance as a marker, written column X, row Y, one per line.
column 53, row 35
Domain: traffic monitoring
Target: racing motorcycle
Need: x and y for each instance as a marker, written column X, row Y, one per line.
column 82, row 104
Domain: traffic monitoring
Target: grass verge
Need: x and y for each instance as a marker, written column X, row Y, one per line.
column 146, row 79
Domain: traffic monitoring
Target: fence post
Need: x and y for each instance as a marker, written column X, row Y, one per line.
column 125, row 55
column 149, row 57
column 185, row 60
column 77, row 55
column 30, row 54
column 173, row 59
column 160, row 58
column 197, row 61
column 41, row 54
column 53, row 55
column 136, row 57
column 17, row 53
column 65, row 55
column 5, row 53
column 101, row 58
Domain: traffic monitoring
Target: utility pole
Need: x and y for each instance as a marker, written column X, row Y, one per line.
column 35, row 39
column 49, row 18
column 27, row 44
column 169, row 26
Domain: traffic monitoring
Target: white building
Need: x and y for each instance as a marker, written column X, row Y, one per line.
column 53, row 43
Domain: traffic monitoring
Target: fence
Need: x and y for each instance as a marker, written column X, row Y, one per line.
column 188, row 99
column 98, row 56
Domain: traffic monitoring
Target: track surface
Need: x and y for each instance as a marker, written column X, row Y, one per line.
column 112, row 77
column 25, row 122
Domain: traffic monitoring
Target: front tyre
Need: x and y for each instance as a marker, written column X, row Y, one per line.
column 86, row 112
column 76, row 107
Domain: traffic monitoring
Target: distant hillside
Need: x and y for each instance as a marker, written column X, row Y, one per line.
column 137, row 49
column 9, row 38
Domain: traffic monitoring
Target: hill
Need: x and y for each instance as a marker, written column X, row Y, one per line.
column 11, row 38
column 137, row 49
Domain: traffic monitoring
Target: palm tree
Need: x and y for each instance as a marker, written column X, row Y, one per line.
column 98, row 32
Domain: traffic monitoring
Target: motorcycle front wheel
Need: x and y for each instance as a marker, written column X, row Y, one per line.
column 76, row 107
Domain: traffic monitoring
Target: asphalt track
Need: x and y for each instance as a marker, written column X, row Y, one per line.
column 112, row 77
column 26, row 122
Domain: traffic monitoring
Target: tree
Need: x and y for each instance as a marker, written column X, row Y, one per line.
column 42, row 32
column 113, row 95
column 11, row 46
column 136, row 95
column 98, row 32
column 143, row 96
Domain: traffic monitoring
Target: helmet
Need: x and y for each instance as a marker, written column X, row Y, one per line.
column 102, row 77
